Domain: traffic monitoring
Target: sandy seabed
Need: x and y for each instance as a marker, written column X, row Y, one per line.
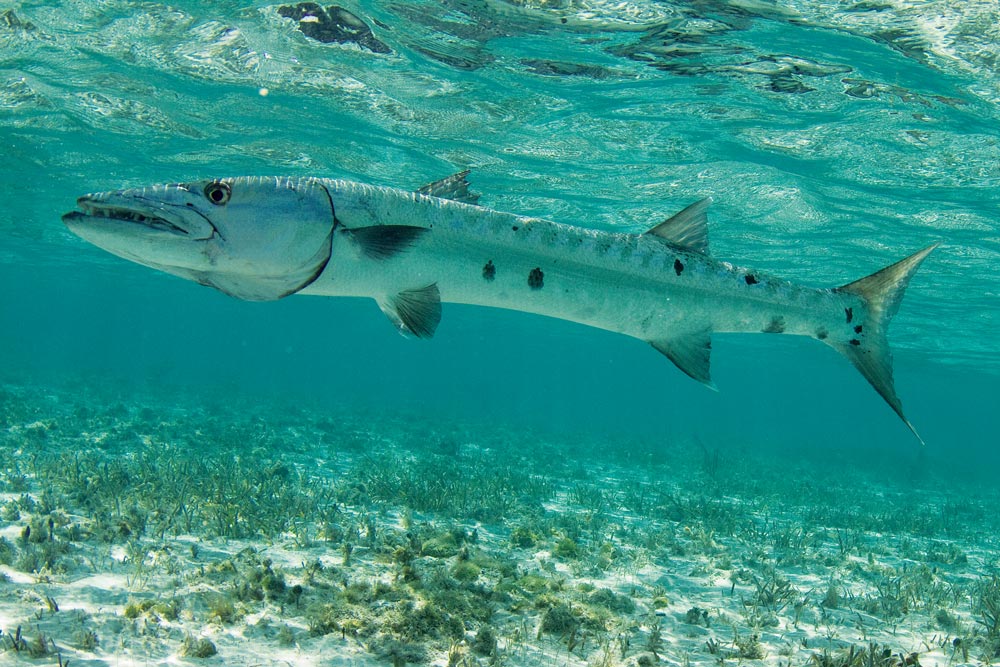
column 144, row 529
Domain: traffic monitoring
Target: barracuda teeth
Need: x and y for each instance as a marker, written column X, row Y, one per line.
column 155, row 222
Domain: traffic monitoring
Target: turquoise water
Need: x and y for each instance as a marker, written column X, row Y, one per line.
column 186, row 478
column 834, row 139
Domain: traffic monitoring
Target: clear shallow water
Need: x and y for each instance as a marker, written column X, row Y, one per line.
column 833, row 140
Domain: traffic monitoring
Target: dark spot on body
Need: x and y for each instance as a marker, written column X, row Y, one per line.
column 776, row 325
column 821, row 334
column 489, row 271
column 850, row 314
column 515, row 228
column 855, row 342
column 858, row 329
column 750, row 279
column 678, row 267
column 536, row 278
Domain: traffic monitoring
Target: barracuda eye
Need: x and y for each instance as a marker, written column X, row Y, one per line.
column 217, row 193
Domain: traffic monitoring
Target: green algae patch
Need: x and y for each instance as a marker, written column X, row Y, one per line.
column 198, row 648
column 523, row 537
column 442, row 545
column 466, row 571
column 559, row 619
column 533, row 584
column 617, row 603
column 566, row 548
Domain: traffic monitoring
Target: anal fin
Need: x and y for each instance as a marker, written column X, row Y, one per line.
column 690, row 352
column 414, row 312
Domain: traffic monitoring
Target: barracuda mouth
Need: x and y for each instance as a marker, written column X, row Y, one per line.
column 136, row 214
column 93, row 211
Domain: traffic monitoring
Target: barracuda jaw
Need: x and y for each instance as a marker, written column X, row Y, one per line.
column 116, row 213
column 133, row 215
column 159, row 229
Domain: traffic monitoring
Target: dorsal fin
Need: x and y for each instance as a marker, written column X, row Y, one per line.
column 687, row 229
column 455, row 187
column 415, row 312
column 690, row 352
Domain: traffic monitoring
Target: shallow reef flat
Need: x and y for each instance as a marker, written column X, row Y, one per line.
column 168, row 527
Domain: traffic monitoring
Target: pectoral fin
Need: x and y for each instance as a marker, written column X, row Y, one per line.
column 384, row 241
column 415, row 312
column 690, row 352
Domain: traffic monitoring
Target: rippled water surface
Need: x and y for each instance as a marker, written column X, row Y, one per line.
column 834, row 137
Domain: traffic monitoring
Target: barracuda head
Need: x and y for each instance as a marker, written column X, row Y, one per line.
column 257, row 239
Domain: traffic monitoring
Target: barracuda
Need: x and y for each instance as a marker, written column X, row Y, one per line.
column 262, row 239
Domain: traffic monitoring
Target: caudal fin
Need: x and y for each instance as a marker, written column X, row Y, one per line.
column 882, row 292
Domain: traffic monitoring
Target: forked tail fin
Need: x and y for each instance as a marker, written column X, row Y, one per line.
column 882, row 292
